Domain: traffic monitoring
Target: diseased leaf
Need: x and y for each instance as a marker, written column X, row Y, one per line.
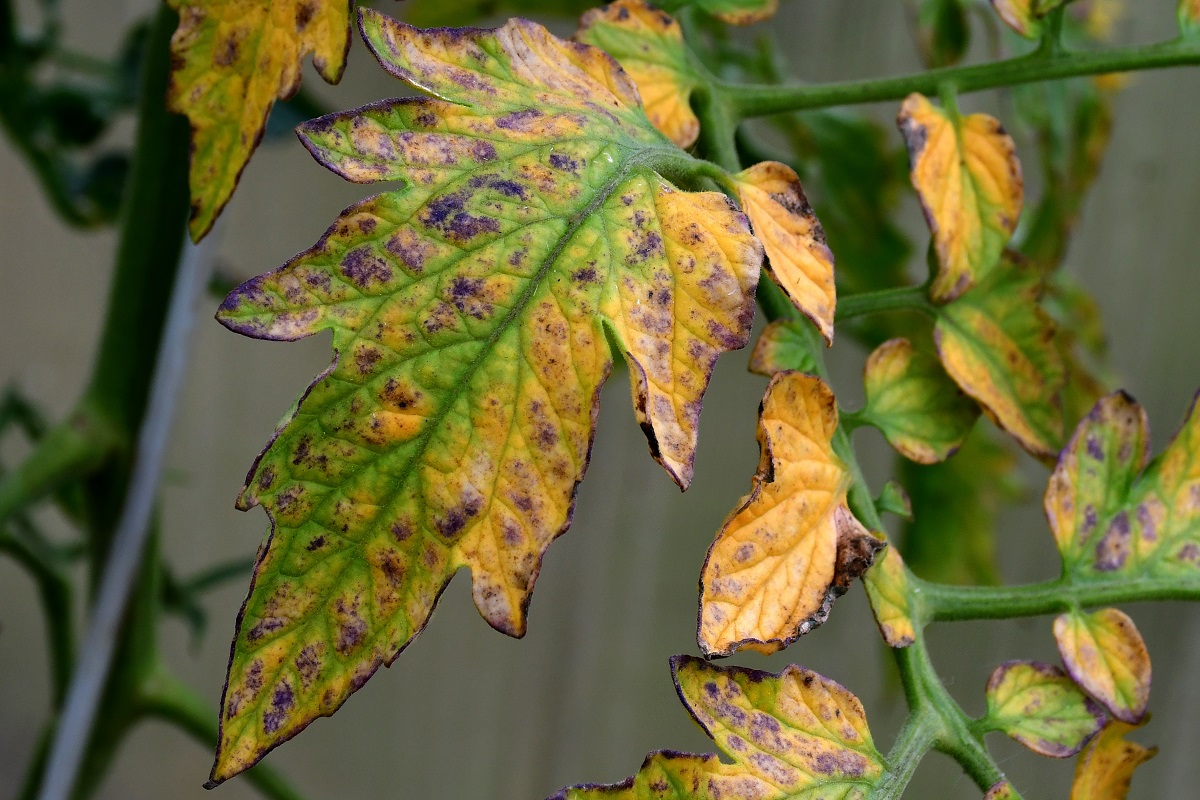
column 887, row 589
column 1110, row 522
column 915, row 404
column 783, row 345
column 792, row 735
column 998, row 344
column 797, row 256
column 1021, row 16
column 231, row 59
column 966, row 171
column 469, row 312
column 736, row 12
column 1189, row 17
column 1105, row 767
column 956, row 505
column 648, row 43
column 943, row 34
column 1105, row 654
column 1040, row 706
column 427, row 13
column 792, row 547
column 1001, row 791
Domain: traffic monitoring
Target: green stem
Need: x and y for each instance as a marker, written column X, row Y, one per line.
column 744, row 101
column 943, row 603
column 718, row 130
column 905, row 298
column 170, row 700
column 915, row 739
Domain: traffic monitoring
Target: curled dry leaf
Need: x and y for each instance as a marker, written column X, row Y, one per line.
column 1110, row 522
column 648, row 43
column 792, row 546
column 783, row 345
column 997, row 343
column 469, row 312
column 915, row 404
column 1040, row 706
column 887, row 589
column 1106, row 655
column 791, row 735
column 966, row 171
column 797, row 256
column 231, row 59
column 1105, row 767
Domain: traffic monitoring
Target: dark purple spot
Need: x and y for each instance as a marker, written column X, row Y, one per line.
column 281, row 702
column 518, row 119
column 363, row 268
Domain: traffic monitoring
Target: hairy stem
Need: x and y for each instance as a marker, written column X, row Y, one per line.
column 905, row 298
column 745, row 101
column 915, row 739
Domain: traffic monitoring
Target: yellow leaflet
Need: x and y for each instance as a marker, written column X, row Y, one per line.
column 792, row 546
column 1111, row 522
column 231, row 59
column 887, row 589
column 648, row 43
column 1020, row 15
column 470, row 312
column 966, row 171
column 797, row 256
column 792, row 735
column 997, row 343
column 1040, row 706
column 916, row 405
column 1105, row 655
column 1105, row 767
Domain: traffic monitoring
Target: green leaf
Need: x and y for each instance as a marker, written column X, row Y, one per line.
column 231, row 59
column 783, row 345
column 997, row 343
column 915, row 404
column 792, row 735
column 1112, row 523
column 734, row 12
column 1189, row 17
column 470, row 311
column 955, row 510
column 649, row 46
column 943, row 34
column 1040, row 706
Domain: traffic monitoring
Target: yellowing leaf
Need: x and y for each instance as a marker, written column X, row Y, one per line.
column 1021, row 16
column 739, row 12
column 966, row 171
column 1105, row 767
column 792, row 546
column 1108, row 521
column 1105, row 655
column 797, row 256
column 648, row 43
column 783, row 345
column 1189, row 17
column 231, row 60
column 998, row 345
column 887, row 589
column 792, row 735
column 469, row 312
column 1040, row 706
column 913, row 402
column 1001, row 791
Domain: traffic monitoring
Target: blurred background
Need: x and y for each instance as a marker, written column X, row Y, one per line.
column 469, row 713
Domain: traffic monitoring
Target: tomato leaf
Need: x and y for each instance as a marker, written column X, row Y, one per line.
column 1040, row 706
column 783, row 345
column 966, row 171
column 792, row 547
column 791, row 735
column 887, row 589
column 998, row 344
column 1106, row 655
column 1189, row 17
column 797, row 256
column 1112, row 523
column 1020, row 15
column 231, row 60
column 648, row 44
column 943, row 33
column 469, row 312
column 734, row 12
column 915, row 404
column 1105, row 767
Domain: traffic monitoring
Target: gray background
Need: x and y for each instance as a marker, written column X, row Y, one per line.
column 468, row 713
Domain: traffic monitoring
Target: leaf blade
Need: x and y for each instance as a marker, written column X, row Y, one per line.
column 1040, row 706
column 1105, row 767
column 1105, row 654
